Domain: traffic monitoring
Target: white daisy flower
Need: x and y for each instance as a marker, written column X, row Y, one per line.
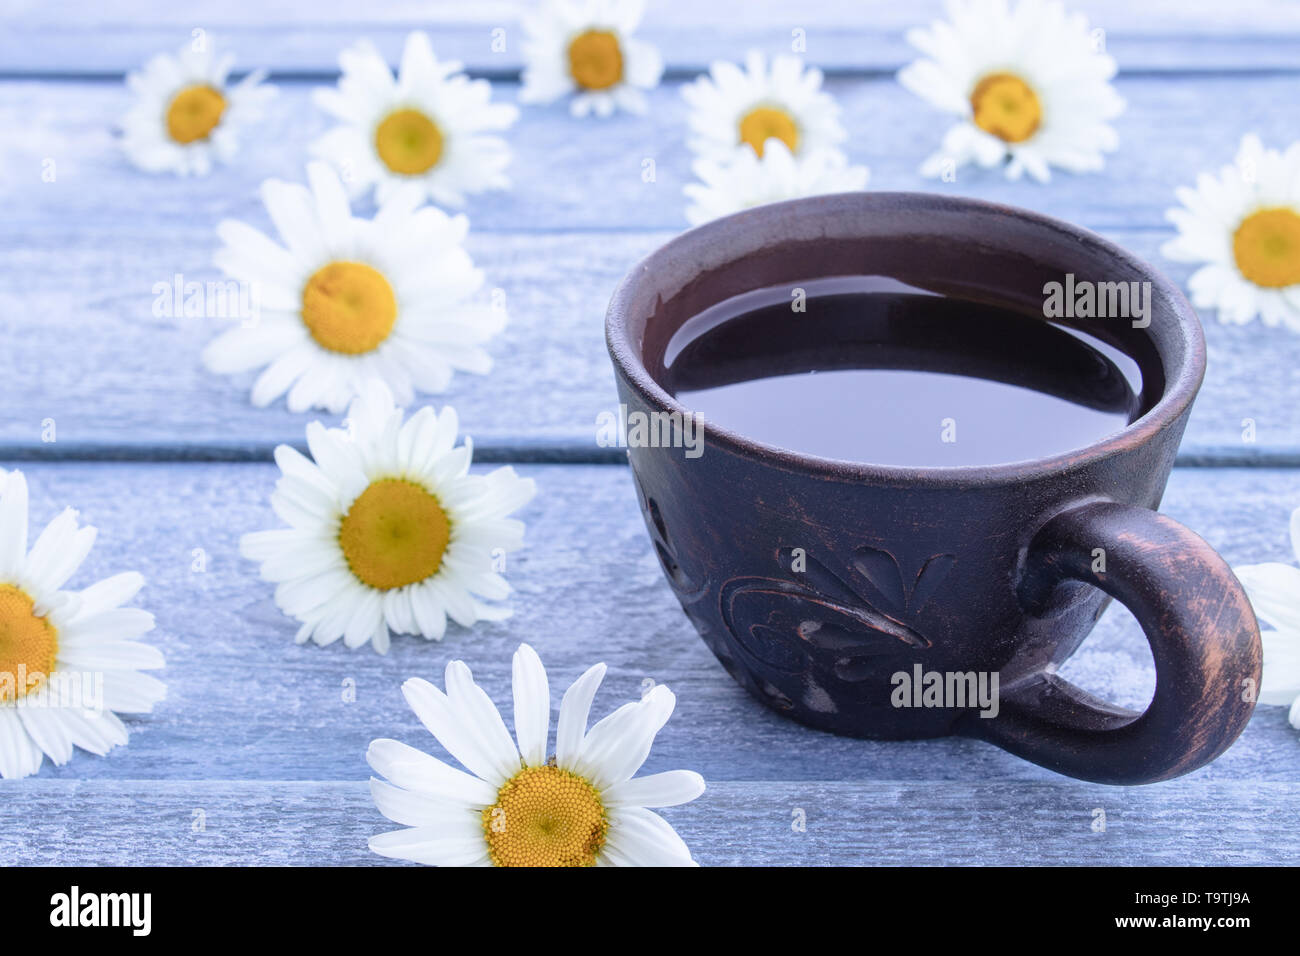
column 185, row 116
column 748, row 179
column 388, row 530
column 586, row 48
column 734, row 107
column 68, row 659
column 429, row 126
column 1244, row 225
column 1274, row 591
column 345, row 300
column 583, row 807
column 1032, row 88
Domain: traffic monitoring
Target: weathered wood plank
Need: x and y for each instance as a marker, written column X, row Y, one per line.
column 85, row 251
column 860, row 823
column 89, row 37
column 245, row 703
column 572, row 174
column 85, row 352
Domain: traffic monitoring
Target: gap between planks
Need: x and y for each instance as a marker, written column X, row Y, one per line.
column 513, row 451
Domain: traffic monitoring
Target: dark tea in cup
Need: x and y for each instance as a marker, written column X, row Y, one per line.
column 868, row 369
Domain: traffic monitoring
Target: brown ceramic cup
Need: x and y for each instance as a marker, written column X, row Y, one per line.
column 956, row 570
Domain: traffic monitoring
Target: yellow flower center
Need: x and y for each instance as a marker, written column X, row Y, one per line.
column 194, row 113
column 28, row 645
column 1006, row 106
column 348, row 307
column 1267, row 247
column 394, row 534
column 595, row 60
column 545, row 816
column 409, row 142
column 767, row 122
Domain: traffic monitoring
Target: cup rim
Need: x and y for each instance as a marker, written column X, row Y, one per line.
column 678, row 255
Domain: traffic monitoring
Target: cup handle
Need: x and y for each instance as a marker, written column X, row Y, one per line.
column 1204, row 640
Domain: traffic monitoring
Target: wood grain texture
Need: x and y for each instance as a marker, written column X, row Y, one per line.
column 82, row 256
column 551, row 379
column 85, row 36
column 245, row 703
column 735, row 823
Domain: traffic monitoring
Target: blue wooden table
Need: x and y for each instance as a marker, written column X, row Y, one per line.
column 257, row 754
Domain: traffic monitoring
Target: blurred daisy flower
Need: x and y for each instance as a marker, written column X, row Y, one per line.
column 185, row 115
column 430, row 126
column 70, row 661
column 732, row 107
column 586, row 48
column 1274, row 591
column 341, row 300
column 748, row 179
column 582, row 807
column 1244, row 225
column 388, row 530
column 1031, row 85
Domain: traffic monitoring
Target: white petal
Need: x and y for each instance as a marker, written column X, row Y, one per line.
column 111, row 656
column 48, row 731
column 432, row 846
column 244, row 349
column 435, row 711
column 115, row 624
column 109, row 593
column 281, row 374
column 332, row 207
column 58, row 552
column 666, row 789
column 412, row 769
column 1281, row 677
column 574, row 710
column 19, row 754
column 618, row 745
column 97, row 733
column 130, row 692
column 481, row 718
column 532, row 696
column 1274, row 591
column 291, row 208
column 646, row 839
column 412, row 809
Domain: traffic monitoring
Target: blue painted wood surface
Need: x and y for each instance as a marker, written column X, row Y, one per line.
column 256, row 756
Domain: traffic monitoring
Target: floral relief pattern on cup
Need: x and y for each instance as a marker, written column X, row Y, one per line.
column 815, row 619
column 688, row 591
